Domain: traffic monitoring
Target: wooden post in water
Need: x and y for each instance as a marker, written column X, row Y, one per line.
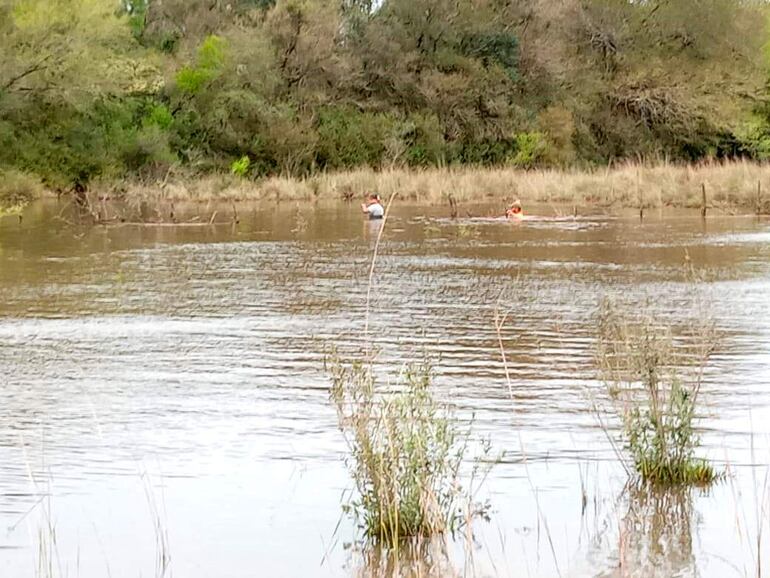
column 453, row 212
column 759, row 197
column 703, row 207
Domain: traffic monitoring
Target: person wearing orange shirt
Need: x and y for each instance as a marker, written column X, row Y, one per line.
column 515, row 210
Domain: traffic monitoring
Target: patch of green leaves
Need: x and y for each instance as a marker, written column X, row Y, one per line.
column 209, row 64
column 530, row 149
column 240, row 167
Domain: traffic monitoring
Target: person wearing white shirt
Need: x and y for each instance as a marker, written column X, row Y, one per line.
column 373, row 207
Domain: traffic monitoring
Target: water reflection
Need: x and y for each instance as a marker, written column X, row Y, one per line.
column 655, row 534
column 423, row 558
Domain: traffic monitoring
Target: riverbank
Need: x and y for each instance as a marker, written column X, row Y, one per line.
column 730, row 187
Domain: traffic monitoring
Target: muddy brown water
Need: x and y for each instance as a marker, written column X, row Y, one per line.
column 162, row 390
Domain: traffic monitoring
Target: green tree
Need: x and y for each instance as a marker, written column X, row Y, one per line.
column 88, row 88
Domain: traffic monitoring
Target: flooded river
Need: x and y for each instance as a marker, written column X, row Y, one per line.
column 164, row 408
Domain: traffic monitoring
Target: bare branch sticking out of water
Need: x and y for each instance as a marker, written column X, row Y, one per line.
column 500, row 319
column 371, row 270
column 162, row 550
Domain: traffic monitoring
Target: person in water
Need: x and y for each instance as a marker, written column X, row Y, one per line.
column 515, row 210
column 373, row 207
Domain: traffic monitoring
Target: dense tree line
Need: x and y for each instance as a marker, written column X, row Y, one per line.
column 93, row 88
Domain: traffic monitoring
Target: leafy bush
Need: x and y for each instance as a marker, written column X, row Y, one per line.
column 287, row 143
column 240, row 167
column 146, row 150
column 192, row 80
column 159, row 116
column 209, row 63
column 558, row 127
column 499, row 48
column 755, row 136
column 349, row 138
column 137, row 16
column 530, row 149
column 424, row 140
column 483, row 151
column 69, row 146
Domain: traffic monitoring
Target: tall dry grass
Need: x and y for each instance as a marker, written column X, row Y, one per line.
column 729, row 186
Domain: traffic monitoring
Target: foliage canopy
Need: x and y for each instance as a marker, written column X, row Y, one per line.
column 103, row 88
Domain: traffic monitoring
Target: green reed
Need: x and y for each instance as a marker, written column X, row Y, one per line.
column 655, row 382
column 405, row 454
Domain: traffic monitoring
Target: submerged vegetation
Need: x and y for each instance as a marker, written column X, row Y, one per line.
column 655, row 381
column 406, row 455
column 93, row 92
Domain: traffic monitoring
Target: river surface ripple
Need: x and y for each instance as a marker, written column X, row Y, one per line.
column 165, row 385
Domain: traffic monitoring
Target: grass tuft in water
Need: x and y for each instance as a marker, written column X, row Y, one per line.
column 654, row 381
column 17, row 189
column 406, row 455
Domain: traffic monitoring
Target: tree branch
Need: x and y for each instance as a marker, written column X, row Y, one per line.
column 31, row 70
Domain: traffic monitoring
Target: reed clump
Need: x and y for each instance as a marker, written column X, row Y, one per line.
column 654, row 381
column 405, row 455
